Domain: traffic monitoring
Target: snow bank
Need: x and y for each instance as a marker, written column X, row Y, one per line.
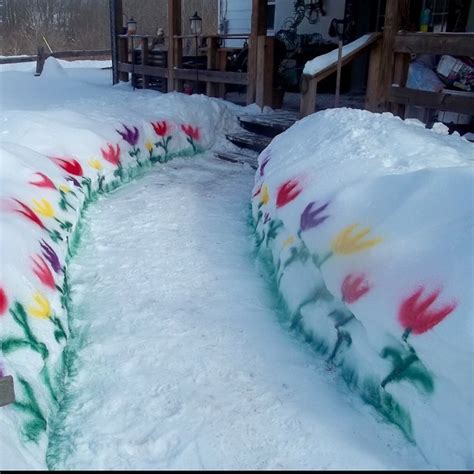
column 367, row 221
column 53, row 164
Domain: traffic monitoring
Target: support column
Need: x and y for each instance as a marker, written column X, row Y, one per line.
column 259, row 28
column 116, row 22
column 175, row 47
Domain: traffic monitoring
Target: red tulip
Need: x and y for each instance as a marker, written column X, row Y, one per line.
column 161, row 128
column 42, row 271
column 112, row 155
column 29, row 214
column 287, row 192
column 3, row 301
column 44, row 182
column 354, row 287
column 71, row 166
column 191, row 132
column 416, row 316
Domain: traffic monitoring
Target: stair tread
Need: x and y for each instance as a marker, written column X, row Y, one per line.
column 249, row 140
column 279, row 121
column 236, row 157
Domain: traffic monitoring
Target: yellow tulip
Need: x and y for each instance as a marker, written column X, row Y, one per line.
column 149, row 146
column 289, row 241
column 64, row 188
column 42, row 309
column 265, row 195
column 43, row 207
column 346, row 243
column 96, row 164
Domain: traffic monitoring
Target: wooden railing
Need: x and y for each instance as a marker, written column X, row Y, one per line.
column 214, row 73
column 456, row 44
column 309, row 83
column 42, row 56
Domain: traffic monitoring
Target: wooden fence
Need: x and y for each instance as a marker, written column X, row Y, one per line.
column 42, row 56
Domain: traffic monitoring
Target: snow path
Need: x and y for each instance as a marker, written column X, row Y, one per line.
column 184, row 363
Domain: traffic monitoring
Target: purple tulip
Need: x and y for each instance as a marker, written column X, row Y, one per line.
column 129, row 135
column 262, row 166
column 311, row 218
column 266, row 217
column 74, row 181
column 50, row 255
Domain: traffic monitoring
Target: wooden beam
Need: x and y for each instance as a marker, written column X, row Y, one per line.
column 309, row 86
column 264, row 82
column 258, row 28
column 222, row 55
column 222, row 77
column 394, row 12
column 145, row 78
column 153, row 71
column 175, row 51
column 456, row 44
column 462, row 103
column 371, row 100
column 400, row 76
column 211, row 88
column 116, row 25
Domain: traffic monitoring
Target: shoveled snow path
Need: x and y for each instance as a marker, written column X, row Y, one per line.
column 184, row 363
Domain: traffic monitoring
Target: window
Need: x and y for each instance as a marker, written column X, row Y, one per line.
column 271, row 14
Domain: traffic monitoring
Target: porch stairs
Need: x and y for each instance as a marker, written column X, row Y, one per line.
column 259, row 132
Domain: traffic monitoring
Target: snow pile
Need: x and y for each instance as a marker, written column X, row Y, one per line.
column 54, row 163
column 367, row 222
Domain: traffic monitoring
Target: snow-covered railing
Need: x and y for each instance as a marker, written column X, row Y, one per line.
column 366, row 222
column 323, row 66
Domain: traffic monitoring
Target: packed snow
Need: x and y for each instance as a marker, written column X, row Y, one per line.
column 143, row 332
column 368, row 223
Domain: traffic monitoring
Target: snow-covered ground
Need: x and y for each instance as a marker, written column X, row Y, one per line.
column 182, row 362
column 164, row 347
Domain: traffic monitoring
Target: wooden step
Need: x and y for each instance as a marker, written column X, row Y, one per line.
column 269, row 125
column 249, row 140
column 235, row 157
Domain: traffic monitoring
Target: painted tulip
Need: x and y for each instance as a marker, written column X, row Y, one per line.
column 263, row 165
column 50, row 255
column 129, row 135
column 42, row 271
column 149, row 146
column 112, row 155
column 257, row 192
column 265, row 195
column 354, row 287
column 43, row 182
column 161, row 128
column 41, row 308
column 311, row 218
column 64, row 188
column 70, row 166
column 346, row 244
column 3, row 302
column 289, row 241
column 43, row 208
column 96, row 164
column 74, row 181
column 191, row 132
column 417, row 314
column 29, row 214
column 287, row 192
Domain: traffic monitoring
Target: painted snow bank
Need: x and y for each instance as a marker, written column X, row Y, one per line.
column 368, row 223
column 54, row 161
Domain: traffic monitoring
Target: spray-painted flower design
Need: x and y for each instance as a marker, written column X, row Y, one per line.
column 287, row 192
column 346, row 243
column 43, row 182
column 354, row 287
column 193, row 135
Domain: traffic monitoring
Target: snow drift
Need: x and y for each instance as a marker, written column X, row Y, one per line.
column 54, row 163
column 367, row 222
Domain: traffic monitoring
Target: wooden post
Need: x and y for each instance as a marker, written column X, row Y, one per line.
column 175, row 47
column 395, row 11
column 400, row 76
column 338, row 73
column 211, row 87
column 222, row 66
column 309, row 86
column 259, row 28
column 123, row 57
column 264, row 82
column 116, row 22
column 40, row 60
column 145, row 78
column 371, row 99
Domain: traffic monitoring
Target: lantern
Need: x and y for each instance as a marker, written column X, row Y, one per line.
column 131, row 26
column 195, row 22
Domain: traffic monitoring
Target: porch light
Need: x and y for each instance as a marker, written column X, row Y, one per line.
column 131, row 26
column 195, row 22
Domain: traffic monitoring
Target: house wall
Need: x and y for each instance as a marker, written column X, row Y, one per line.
column 235, row 17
